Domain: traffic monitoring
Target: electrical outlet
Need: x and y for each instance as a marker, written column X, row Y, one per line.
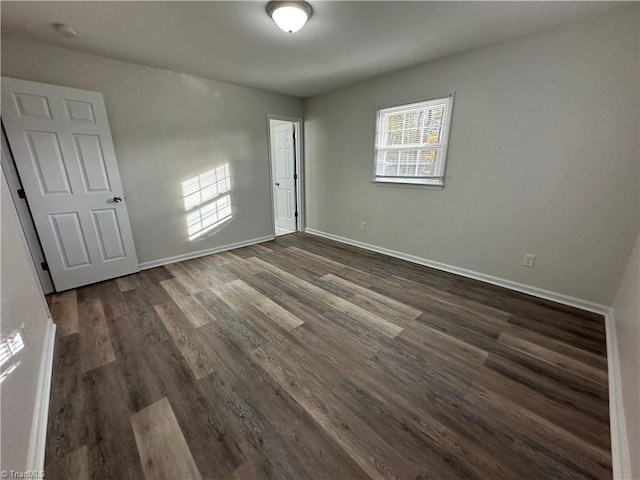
column 528, row 260
column 363, row 226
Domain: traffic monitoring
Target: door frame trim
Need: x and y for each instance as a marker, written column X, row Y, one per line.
column 299, row 136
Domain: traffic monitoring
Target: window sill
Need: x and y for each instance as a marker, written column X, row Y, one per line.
column 404, row 184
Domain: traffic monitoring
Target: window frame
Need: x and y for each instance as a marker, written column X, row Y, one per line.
column 436, row 183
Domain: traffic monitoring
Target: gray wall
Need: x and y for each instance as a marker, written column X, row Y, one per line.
column 167, row 128
column 22, row 304
column 626, row 309
column 543, row 159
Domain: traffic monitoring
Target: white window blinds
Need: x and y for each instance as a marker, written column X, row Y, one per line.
column 411, row 142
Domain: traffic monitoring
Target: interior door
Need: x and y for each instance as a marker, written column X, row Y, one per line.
column 62, row 146
column 26, row 221
column 284, row 173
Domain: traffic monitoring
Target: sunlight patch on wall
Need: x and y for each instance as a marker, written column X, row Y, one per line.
column 205, row 219
column 207, row 201
column 9, row 347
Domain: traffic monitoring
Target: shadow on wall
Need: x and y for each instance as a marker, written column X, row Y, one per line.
column 208, row 202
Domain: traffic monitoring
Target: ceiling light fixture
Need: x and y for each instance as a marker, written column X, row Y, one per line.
column 289, row 16
column 66, row 30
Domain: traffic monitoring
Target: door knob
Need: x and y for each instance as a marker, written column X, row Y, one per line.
column 277, row 184
column 117, row 199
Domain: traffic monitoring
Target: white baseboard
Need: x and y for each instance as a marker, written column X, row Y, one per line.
column 38, row 439
column 202, row 253
column 463, row 272
column 620, row 454
column 619, row 442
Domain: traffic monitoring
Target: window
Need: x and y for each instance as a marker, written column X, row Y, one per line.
column 411, row 142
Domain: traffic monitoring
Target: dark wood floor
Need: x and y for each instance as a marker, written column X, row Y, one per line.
column 304, row 358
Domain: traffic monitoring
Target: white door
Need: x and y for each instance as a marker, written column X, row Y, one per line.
column 26, row 222
column 285, row 183
column 62, row 146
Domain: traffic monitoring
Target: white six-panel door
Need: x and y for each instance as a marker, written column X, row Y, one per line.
column 62, row 146
column 284, row 173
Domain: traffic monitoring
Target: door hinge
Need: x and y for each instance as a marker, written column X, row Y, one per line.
column 45, row 266
column 295, row 176
column 21, row 193
column 296, row 214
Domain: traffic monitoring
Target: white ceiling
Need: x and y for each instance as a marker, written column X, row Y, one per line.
column 343, row 42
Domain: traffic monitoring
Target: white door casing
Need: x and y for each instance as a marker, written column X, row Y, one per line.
column 285, row 187
column 62, row 146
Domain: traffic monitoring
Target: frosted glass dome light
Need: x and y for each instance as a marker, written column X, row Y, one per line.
column 289, row 16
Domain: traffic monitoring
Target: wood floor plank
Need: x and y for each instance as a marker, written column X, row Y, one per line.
column 442, row 457
column 327, row 262
column 311, row 391
column 163, row 450
column 240, row 268
column 310, row 308
column 228, row 256
column 230, row 323
column 478, row 457
column 95, row 343
column 75, row 466
column 430, row 338
column 86, row 293
column 305, row 358
column 151, row 289
column 258, row 282
column 128, row 283
column 303, row 266
column 444, row 395
column 303, row 269
column 584, row 340
column 188, row 342
column 214, row 449
column 274, row 311
column 584, row 356
column 554, row 358
column 263, row 444
column 385, row 305
column 112, row 299
column 66, row 430
column 214, row 277
column 134, row 363
column 185, row 278
column 308, row 442
column 194, row 311
column 157, row 274
column 564, row 392
column 433, row 300
column 583, row 425
column 175, row 288
column 595, row 461
column 332, row 323
column 112, row 451
column 364, row 279
column 372, row 320
column 560, row 385
column 64, row 312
